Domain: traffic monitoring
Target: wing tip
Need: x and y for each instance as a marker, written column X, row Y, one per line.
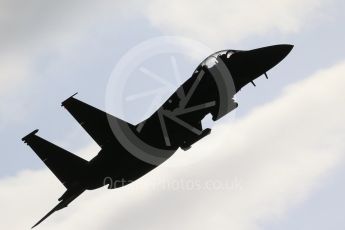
column 66, row 101
column 25, row 139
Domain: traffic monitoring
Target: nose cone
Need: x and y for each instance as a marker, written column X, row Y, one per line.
column 245, row 66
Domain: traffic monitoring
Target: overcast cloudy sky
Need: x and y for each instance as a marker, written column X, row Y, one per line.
column 278, row 164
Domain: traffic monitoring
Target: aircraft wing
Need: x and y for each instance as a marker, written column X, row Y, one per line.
column 68, row 197
column 66, row 166
column 95, row 122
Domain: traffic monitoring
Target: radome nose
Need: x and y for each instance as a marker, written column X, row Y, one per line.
column 245, row 66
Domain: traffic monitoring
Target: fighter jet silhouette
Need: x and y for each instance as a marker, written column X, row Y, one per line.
column 129, row 151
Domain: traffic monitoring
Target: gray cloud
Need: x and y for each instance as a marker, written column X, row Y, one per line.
column 234, row 20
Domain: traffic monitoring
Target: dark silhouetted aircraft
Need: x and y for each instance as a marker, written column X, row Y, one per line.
column 130, row 151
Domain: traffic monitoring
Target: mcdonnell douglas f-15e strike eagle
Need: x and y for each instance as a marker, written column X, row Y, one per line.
column 130, row 151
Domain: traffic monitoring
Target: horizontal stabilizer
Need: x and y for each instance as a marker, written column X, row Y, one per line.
column 64, row 203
